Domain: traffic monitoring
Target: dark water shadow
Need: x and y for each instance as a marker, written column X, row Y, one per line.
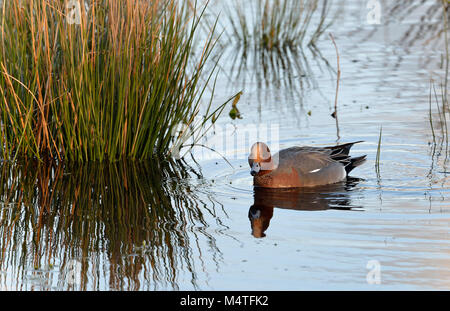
column 336, row 196
column 126, row 226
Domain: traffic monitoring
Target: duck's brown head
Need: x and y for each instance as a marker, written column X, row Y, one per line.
column 260, row 159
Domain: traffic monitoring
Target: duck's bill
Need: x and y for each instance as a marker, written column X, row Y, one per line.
column 255, row 169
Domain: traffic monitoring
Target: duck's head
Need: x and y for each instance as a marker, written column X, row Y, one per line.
column 260, row 159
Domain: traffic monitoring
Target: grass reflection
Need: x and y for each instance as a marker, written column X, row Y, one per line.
column 272, row 45
column 127, row 226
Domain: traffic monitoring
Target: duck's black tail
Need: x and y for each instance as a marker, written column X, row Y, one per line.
column 340, row 153
column 354, row 162
column 343, row 149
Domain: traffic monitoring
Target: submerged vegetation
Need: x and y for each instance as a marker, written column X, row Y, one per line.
column 107, row 81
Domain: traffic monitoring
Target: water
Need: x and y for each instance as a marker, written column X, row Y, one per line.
column 187, row 226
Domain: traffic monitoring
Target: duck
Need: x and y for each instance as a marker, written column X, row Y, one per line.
column 298, row 167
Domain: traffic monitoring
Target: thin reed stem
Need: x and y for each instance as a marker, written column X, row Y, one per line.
column 377, row 159
column 335, row 113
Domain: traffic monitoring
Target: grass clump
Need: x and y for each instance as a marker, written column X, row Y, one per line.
column 273, row 39
column 114, row 84
column 276, row 24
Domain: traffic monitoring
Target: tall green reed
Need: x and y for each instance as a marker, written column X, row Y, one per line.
column 113, row 86
column 378, row 156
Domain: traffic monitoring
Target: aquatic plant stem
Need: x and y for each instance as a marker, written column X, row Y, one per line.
column 335, row 114
column 377, row 159
column 431, row 117
column 445, row 4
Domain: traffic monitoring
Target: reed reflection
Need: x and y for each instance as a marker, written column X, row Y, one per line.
column 335, row 196
column 125, row 226
column 273, row 46
column 288, row 68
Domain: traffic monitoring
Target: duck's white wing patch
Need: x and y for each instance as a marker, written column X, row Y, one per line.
column 309, row 162
column 315, row 171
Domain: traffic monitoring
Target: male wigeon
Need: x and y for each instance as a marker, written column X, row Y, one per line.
column 301, row 166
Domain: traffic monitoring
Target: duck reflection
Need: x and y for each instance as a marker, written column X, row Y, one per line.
column 336, row 196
